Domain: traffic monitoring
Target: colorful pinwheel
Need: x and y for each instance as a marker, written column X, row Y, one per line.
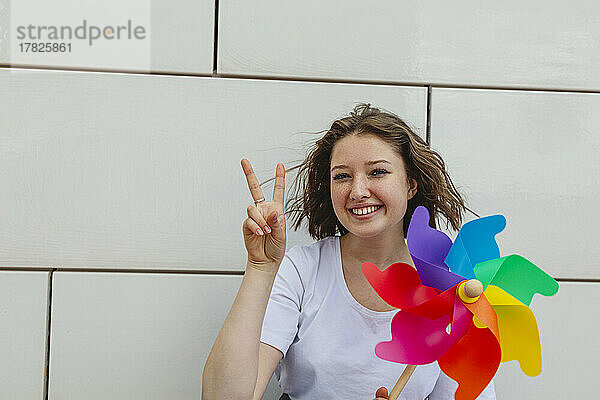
column 467, row 332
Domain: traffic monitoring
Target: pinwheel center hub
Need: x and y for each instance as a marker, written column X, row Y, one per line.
column 469, row 291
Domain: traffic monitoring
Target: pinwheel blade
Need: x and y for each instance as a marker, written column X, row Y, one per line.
column 486, row 315
column 472, row 362
column 440, row 305
column 517, row 276
column 418, row 340
column 428, row 248
column 475, row 243
column 398, row 285
column 519, row 335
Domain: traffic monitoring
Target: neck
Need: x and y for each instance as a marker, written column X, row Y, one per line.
column 382, row 250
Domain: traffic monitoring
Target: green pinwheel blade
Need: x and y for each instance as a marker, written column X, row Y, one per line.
column 517, row 276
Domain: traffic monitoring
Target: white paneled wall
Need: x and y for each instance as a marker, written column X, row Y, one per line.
column 134, row 336
column 131, row 171
column 139, row 174
column 532, row 156
column 182, row 36
column 527, row 44
column 23, row 322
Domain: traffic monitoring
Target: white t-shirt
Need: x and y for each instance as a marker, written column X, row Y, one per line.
column 328, row 338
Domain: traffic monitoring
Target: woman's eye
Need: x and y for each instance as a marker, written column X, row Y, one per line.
column 375, row 172
column 340, row 176
column 379, row 171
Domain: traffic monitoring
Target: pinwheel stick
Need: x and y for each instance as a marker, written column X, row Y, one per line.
column 402, row 381
column 470, row 292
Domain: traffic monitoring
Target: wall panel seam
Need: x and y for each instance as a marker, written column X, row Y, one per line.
column 310, row 80
column 196, row 272
column 428, row 121
column 216, row 39
column 48, row 330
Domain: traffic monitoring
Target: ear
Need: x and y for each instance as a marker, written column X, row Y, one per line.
column 412, row 190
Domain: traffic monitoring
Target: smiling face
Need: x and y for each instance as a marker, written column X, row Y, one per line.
column 369, row 186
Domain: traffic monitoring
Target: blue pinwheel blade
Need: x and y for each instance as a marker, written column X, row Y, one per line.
column 475, row 243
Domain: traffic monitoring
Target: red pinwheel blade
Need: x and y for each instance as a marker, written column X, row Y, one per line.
column 472, row 362
column 435, row 308
column 398, row 285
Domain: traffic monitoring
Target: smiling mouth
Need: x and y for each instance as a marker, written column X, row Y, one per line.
column 365, row 211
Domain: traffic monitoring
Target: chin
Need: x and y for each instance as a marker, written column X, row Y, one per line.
column 366, row 236
column 366, row 233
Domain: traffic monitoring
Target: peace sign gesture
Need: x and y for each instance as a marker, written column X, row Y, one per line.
column 264, row 229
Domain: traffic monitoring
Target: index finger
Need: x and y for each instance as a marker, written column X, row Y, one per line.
column 279, row 188
column 253, row 184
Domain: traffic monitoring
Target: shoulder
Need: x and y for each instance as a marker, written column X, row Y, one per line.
column 300, row 270
column 308, row 257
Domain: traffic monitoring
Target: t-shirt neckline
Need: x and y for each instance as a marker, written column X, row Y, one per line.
column 346, row 292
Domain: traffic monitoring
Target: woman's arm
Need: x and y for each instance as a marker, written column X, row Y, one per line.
column 268, row 359
column 232, row 367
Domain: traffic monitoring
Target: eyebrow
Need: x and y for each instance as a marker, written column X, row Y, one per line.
column 367, row 163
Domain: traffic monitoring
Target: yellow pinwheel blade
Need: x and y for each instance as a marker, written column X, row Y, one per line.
column 518, row 331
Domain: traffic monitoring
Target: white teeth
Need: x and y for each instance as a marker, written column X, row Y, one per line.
column 365, row 210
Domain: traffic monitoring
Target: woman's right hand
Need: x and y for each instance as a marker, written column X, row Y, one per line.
column 264, row 229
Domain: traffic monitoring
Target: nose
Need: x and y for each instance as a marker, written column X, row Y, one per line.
column 360, row 189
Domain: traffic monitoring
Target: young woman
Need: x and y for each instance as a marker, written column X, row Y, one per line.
column 309, row 312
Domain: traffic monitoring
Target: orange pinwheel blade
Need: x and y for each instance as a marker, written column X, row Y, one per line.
column 486, row 315
column 472, row 362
